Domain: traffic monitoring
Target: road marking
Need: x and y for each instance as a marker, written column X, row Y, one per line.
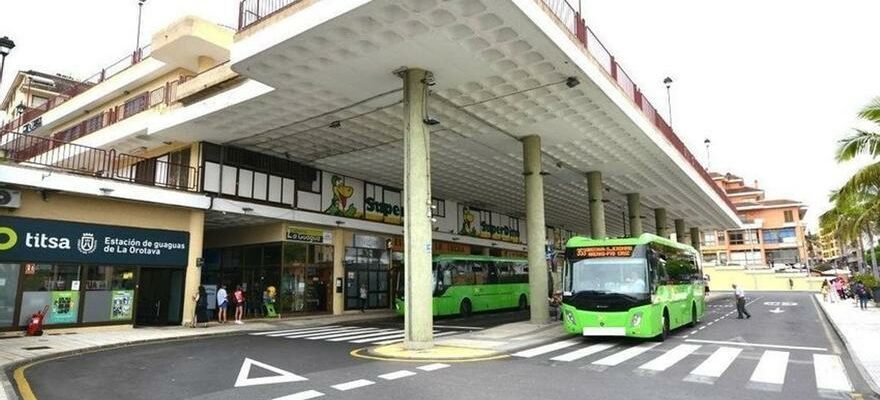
column 746, row 344
column 472, row 328
column 693, row 332
column 308, row 394
column 352, row 385
column 581, row 353
column 389, row 336
column 624, row 355
column 281, row 377
column 293, row 331
column 671, row 357
column 830, row 373
column 436, row 335
column 771, row 368
column 546, row 348
column 365, row 335
column 717, row 363
column 397, row 375
column 337, row 334
column 433, row 367
column 336, row 330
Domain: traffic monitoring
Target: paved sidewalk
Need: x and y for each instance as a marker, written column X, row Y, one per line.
column 20, row 350
column 860, row 331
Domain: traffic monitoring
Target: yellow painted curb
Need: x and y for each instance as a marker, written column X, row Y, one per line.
column 401, row 357
column 24, row 388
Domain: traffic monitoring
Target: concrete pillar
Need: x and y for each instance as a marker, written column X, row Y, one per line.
column 597, row 207
column 633, row 201
column 680, row 231
column 193, row 271
column 660, row 222
column 338, row 270
column 536, row 230
column 418, row 322
column 695, row 238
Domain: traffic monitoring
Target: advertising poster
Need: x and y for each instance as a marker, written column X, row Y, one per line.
column 64, row 308
column 121, row 304
column 211, row 292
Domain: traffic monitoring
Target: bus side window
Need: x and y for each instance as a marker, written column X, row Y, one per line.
column 479, row 273
column 505, row 272
column 493, row 275
column 521, row 272
column 462, row 274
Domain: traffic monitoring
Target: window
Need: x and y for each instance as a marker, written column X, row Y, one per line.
column 438, row 208
column 709, row 239
column 37, row 101
column 743, row 237
column 778, row 236
column 789, row 216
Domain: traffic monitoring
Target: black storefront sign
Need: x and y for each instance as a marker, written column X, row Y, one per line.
column 41, row 240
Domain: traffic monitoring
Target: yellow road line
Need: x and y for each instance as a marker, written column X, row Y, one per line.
column 357, row 353
column 24, row 388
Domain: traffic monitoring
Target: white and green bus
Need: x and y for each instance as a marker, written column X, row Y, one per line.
column 464, row 284
column 640, row 287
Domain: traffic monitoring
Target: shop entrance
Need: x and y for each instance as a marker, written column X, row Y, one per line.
column 159, row 296
column 368, row 268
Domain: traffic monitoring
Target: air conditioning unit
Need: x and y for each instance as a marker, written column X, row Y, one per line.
column 10, row 198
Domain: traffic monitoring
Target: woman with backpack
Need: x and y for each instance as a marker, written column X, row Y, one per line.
column 861, row 292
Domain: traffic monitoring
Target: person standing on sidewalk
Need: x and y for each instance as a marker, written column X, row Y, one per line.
column 238, row 299
column 222, row 304
column 740, row 297
column 861, row 292
column 363, row 297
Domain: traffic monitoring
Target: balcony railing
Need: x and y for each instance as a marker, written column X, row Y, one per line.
column 54, row 154
column 253, row 11
column 105, row 73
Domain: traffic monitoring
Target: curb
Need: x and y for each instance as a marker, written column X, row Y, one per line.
column 369, row 352
column 849, row 349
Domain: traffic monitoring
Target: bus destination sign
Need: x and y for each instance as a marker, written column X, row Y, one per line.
column 603, row 251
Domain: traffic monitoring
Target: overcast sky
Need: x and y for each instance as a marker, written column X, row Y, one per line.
column 773, row 84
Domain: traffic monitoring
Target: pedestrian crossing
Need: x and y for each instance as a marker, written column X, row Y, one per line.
column 349, row 334
column 707, row 363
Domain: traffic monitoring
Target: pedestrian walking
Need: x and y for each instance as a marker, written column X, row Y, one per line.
column 222, row 304
column 556, row 305
column 861, row 292
column 824, row 290
column 837, row 284
column 201, row 313
column 363, row 297
column 238, row 299
column 790, row 284
column 740, row 297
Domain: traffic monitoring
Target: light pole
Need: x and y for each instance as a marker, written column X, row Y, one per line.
column 668, row 83
column 6, row 45
column 137, row 46
column 708, row 142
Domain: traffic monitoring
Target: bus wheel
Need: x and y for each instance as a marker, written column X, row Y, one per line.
column 523, row 303
column 465, row 309
column 693, row 316
column 665, row 333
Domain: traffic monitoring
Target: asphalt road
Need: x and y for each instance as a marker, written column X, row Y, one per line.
column 773, row 355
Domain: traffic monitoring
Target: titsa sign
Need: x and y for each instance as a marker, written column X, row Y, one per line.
column 39, row 240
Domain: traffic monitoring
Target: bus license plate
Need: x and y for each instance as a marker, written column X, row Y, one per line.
column 604, row 331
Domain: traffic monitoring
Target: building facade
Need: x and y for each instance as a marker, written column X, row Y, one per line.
column 773, row 234
column 183, row 168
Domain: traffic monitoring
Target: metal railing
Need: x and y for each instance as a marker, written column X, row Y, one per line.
column 105, row 73
column 253, row 11
column 35, row 151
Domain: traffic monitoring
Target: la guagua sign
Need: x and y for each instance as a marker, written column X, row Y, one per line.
column 39, row 240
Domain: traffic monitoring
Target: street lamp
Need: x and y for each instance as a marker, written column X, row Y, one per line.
column 707, row 142
column 137, row 46
column 6, row 45
column 668, row 83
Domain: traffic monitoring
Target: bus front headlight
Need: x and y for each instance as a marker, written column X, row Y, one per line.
column 636, row 319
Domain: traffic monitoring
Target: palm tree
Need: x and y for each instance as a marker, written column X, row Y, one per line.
column 863, row 143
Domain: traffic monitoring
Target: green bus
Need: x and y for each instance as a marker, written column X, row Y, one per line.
column 640, row 287
column 464, row 284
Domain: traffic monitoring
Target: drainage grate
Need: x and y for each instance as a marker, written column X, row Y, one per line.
column 37, row 348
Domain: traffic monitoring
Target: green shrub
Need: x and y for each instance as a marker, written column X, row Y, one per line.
column 866, row 279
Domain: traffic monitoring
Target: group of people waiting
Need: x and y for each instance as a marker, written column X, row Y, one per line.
column 839, row 289
column 223, row 302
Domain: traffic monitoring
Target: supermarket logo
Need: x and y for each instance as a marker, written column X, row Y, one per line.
column 8, row 238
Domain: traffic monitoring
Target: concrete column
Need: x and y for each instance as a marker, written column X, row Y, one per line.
column 597, row 207
column 680, row 231
column 418, row 322
column 536, row 230
column 695, row 238
column 660, row 222
column 338, row 270
column 633, row 201
column 193, row 271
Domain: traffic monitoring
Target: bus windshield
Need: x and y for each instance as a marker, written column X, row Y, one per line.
column 610, row 275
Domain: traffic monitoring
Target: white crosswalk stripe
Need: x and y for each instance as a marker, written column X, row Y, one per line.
column 547, row 348
column 830, row 373
column 362, row 335
column 771, row 368
column 717, row 363
column 436, row 335
column 670, row 357
column 584, row 352
column 294, row 331
column 332, row 335
column 304, row 335
column 769, row 372
column 351, row 334
column 624, row 355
